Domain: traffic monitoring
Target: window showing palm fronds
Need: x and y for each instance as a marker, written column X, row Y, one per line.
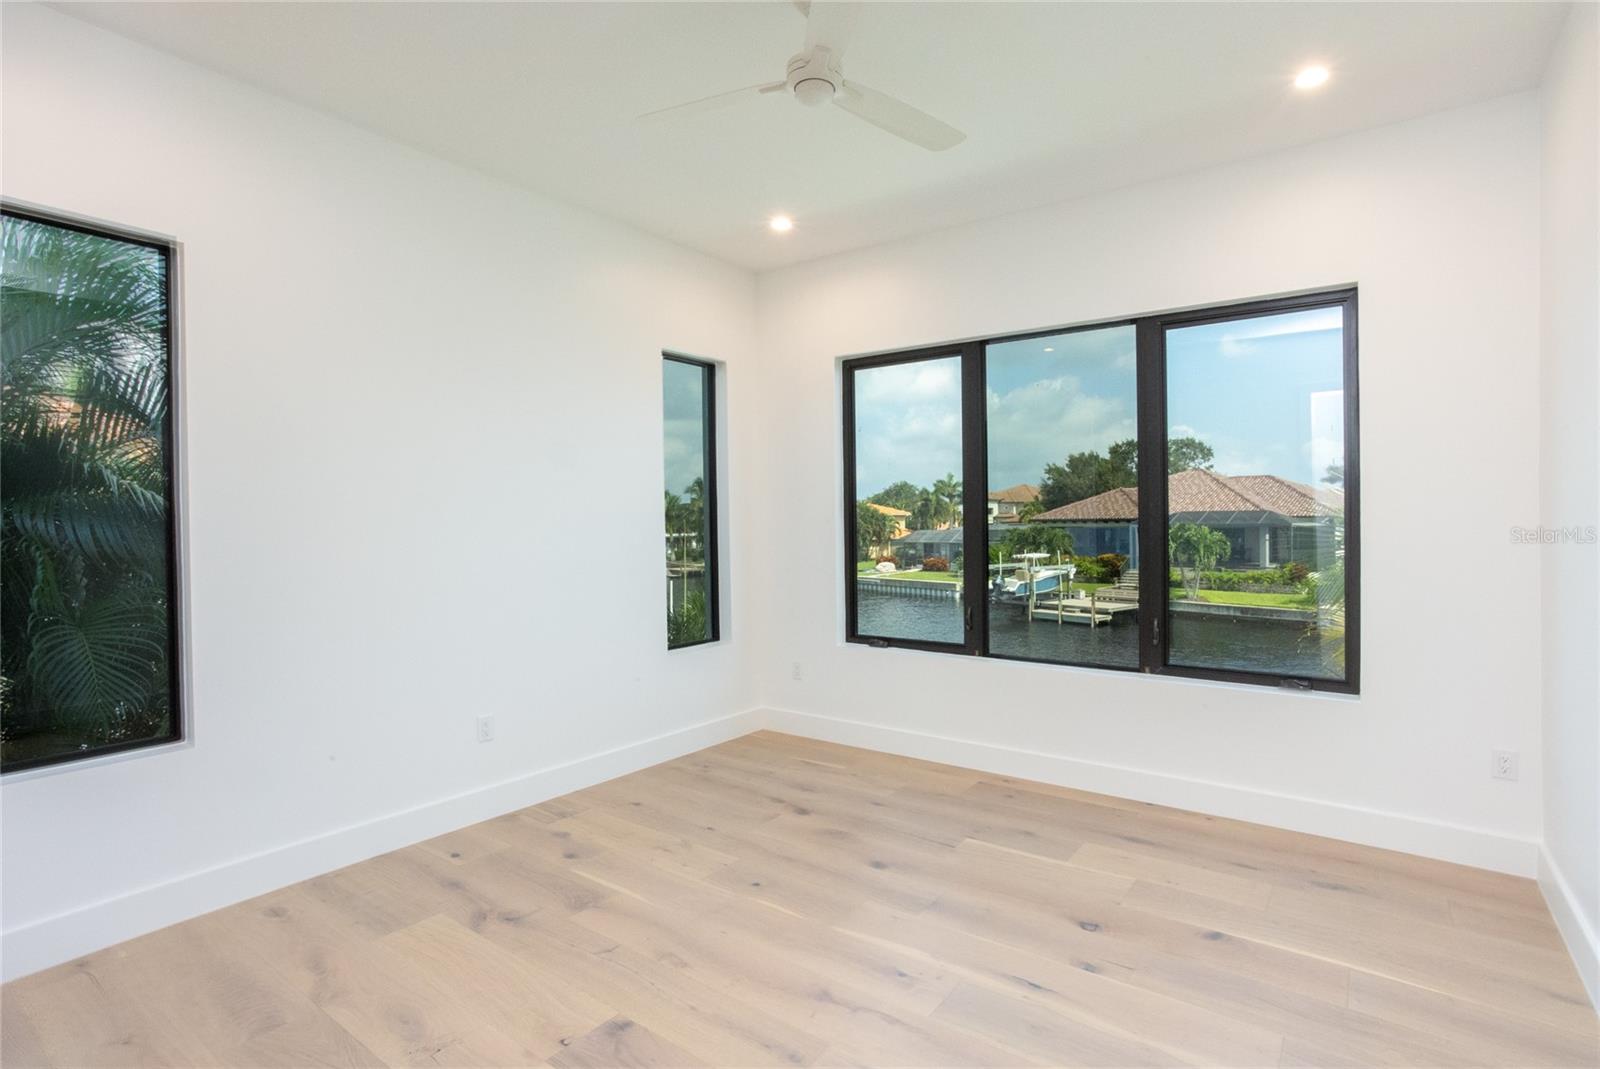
column 688, row 419
column 86, row 590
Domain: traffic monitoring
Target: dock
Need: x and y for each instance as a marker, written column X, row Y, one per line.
column 1091, row 610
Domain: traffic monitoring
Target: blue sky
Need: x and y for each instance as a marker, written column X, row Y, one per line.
column 683, row 408
column 1263, row 393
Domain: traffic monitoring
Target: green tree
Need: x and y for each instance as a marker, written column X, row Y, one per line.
column 874, row 531
column 925, row 511
column 1089, row 473
column 1334, row 475
column 900, row 495
column 947, row 494
column 83, row 553
column 1033, row 538
column 1187, row 454
column 1194, row 549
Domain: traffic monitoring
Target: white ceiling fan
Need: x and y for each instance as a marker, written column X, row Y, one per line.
column 816, row 77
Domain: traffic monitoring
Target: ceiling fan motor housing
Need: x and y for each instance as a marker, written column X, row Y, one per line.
column 813, row 77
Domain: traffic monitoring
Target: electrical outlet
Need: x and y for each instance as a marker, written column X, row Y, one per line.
column 1504, row 765
column 798, row 672
column 485, row 729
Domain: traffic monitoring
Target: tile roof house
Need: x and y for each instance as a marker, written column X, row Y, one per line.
column 1004, row 505
column 899, row 516
column 1269, row 520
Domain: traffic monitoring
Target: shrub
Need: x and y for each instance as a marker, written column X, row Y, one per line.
column 1296, row 573
column 1112, row 564
column 1089, row 570
column 688, row 624
column 936, row 564
column 885, row 558
column 1262, row 580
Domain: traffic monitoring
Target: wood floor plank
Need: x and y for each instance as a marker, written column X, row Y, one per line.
column 623, row 1044
column 1475, row 1030
column 778, row 901
column 1042, row 1033
column 1079, row 991
column 528, row 1000
column 828, row 1005
column 396, row 1007
column 1418, row 959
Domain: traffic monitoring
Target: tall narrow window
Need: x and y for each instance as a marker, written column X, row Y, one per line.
column 1256, row 514
column 906, row 500
column 1174, row 494
column 689, row 418
column 1063, row 500
column 88, row 598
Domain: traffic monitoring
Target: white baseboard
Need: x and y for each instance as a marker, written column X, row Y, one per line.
column 1576, row 928
column 1478, row 847
column 68, row 935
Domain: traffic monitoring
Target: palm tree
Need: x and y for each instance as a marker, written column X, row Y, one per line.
column 874, row 531
column 1195, row 549
column 83, row 420
column 947, row 492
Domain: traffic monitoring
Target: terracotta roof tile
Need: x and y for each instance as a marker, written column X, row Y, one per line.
column 1199, row 490
column 1020, row 494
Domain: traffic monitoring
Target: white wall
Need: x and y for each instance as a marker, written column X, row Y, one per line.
column 1437, row 221
column 1569, row 441
column 399, row 373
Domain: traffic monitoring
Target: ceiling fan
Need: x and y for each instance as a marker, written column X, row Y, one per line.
column 815, row 76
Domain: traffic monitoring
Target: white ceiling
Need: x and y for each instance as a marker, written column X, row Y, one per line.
column 1057, row 100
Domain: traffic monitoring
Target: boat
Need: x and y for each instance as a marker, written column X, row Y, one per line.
column 1029, row 579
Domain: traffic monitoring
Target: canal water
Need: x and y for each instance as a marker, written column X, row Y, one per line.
column 1277, row 647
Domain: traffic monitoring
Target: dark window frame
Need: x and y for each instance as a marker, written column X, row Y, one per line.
column 177, row 651
column 709, row 378
column 1150, row 342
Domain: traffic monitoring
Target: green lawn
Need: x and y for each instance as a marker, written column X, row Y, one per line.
column 924, row 577
column 1245, row 597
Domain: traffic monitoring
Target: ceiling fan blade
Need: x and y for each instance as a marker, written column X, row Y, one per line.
column 711, row 103
column 830, row 25
column 897, row 117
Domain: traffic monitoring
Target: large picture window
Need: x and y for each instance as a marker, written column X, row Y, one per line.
column 89, row 595
column 690, row 451
column 1173, row 494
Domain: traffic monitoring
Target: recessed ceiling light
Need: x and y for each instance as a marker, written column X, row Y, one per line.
column 780, row 224
column 1049, row 349
column 1311, row 77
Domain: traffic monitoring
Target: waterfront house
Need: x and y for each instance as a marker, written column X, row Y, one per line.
column 1005, row 506
column 1268, row 520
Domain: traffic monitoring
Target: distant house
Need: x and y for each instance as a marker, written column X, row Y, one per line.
column 899, row 516
column 913, row 547
column 1004, row 505
column 1268, row 520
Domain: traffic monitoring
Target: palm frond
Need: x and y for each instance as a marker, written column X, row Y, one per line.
column 97, row 660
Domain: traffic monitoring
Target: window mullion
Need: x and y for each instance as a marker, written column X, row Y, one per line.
column 1153, row 568
column 974, row 499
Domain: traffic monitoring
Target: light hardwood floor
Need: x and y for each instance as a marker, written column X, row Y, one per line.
column 776, row 901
